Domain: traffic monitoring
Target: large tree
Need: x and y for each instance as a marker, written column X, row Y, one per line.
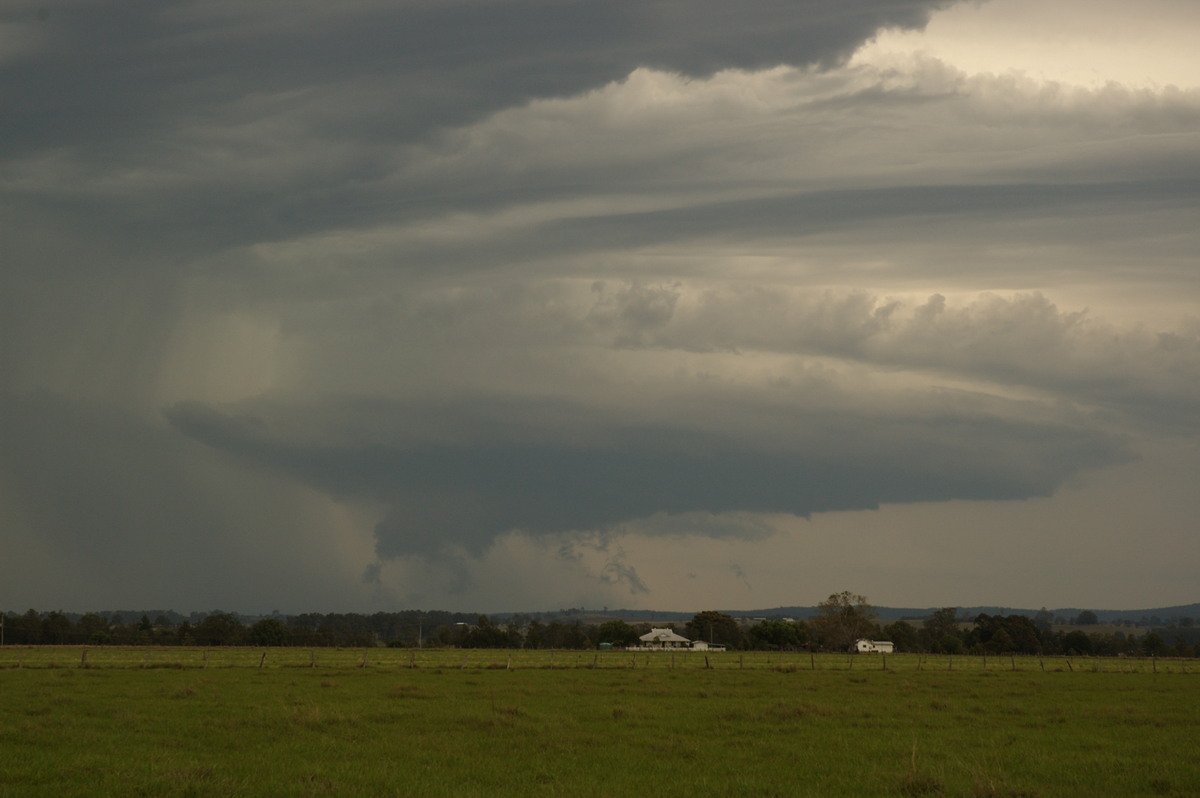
column 715, row 627
column 841, row 619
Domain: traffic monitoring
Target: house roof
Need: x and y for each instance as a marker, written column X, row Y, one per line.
column 662, row 636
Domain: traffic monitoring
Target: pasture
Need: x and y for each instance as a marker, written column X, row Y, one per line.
column 463, row 723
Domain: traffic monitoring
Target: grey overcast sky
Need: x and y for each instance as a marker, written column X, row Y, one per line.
column 526, row 304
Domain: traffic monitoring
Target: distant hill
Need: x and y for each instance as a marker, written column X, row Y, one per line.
column 1155, row 615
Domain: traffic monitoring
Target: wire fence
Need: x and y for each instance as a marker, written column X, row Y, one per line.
column 15, row 657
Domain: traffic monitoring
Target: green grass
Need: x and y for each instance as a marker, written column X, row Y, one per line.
column 131, row 726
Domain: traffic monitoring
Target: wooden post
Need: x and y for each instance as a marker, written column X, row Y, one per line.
column 1014, row 661
column 464, row 663
column 1070, row 667
column 551, row 659
column 509, row 666
column 741, row 662
column 412, row 659
column 1042, row 663
column 313, row 662
column 884, row 661
column 262, row 661
column 949, row 662
column 366, row 653
column 850, row 659
column 1154, row 663
column 706, row 665
column 985, row 662
column 83, row 659
column 206, row 655
column 595, row 659
column 633, row 662
column 812, row 661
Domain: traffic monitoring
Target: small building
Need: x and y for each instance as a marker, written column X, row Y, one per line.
column 700, row 645
column 864, row 646
column 663, row 638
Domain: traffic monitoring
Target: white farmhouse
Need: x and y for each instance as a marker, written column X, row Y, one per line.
column 663, row 638
column 864, row 646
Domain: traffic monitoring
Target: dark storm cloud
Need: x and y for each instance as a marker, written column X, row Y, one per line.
column 191, row 91
column 465, row 495
column 112, row 73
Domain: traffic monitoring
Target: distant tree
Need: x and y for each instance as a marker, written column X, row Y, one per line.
column 1077, row 643
column 56, row 629
column 1153, row 645
column 268, row 632
column 715, row 627
column 219, row 629
column 841, row 619
column 617, row 632
column 1043, row 620
column 951, row 644
column 93, row 629
column 26, row 629
column 1005, row 634
column 903, row 636
column 777, row 635
column 937, row 627
column 1087, row 618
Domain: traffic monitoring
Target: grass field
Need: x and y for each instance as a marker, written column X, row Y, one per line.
column 137, row 722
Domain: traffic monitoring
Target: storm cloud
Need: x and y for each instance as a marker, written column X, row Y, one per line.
column 527, row 303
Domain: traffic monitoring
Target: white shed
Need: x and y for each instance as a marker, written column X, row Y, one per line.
column 864, row 646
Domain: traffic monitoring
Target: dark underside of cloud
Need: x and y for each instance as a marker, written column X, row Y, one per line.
column 105, row 67
column 465, row 494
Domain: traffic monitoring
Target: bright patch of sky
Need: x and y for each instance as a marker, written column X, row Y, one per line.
column 1090, row 43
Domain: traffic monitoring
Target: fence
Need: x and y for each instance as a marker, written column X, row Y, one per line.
column 442, row 658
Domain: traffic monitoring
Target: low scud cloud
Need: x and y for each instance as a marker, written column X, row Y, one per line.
column 520, row 305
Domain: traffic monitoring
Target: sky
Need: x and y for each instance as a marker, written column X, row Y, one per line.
column 519, row 305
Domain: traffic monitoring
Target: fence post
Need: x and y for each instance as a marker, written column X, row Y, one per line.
column 412, row 659
column 884, row 661
column 83, row 659
column 1014, row 661
column 206, row 655
column 262, row 661
column 313, row 663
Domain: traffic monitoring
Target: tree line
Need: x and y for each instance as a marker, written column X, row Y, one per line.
column 839, row 621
